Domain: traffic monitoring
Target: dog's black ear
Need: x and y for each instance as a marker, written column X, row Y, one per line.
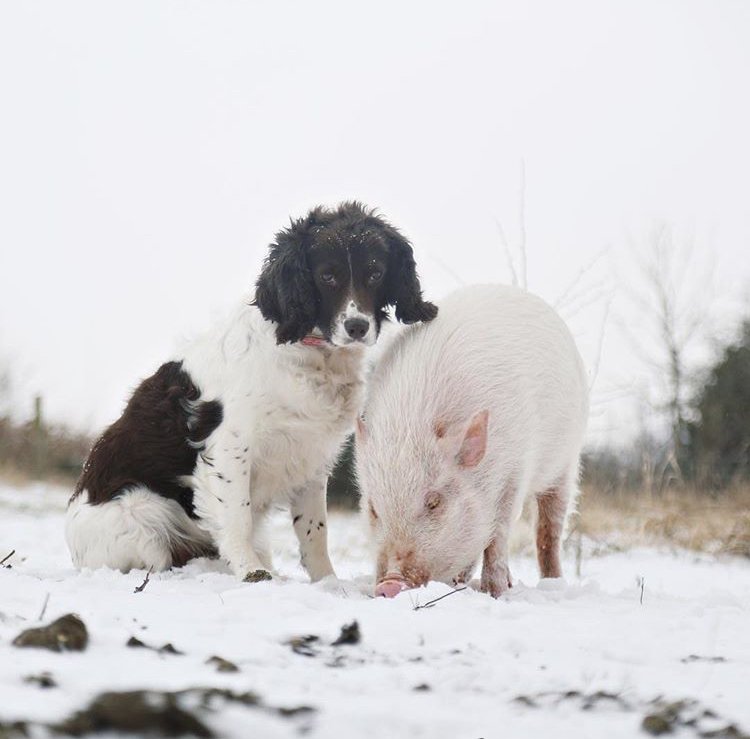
column 403, row 290
column 285, row 291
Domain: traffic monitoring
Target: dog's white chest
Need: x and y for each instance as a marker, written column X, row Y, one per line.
column 308, row 420
column 283, row 426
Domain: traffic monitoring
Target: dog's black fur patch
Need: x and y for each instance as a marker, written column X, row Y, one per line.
column 352, row 242
column 154, row 442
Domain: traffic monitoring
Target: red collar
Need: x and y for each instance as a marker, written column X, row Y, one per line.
column 311, row 340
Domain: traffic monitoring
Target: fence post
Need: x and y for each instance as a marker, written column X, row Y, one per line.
column 37, row 438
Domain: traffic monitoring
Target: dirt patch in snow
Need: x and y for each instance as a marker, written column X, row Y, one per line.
column 66, row 634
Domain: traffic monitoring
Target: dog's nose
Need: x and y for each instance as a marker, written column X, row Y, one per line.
column 357, row 328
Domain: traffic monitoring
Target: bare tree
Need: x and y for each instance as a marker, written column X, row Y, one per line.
column 672, row 300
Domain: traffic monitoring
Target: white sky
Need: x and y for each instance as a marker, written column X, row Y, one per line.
column 149, row 150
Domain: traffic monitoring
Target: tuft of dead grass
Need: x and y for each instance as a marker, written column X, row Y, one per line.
column 688, row 518
column 17, row 476
column 685, row 518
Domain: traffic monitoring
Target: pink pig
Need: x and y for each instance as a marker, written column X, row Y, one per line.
column 466, row 417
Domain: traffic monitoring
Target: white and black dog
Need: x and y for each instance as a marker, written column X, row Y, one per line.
column 252, row 414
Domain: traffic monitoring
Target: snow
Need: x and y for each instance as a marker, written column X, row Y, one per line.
column 542, row 641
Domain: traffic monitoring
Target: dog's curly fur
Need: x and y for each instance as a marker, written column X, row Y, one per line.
column 286, row 291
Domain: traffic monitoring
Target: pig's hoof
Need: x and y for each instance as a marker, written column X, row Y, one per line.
column 495, row 586
column 493, row 590
column 389, row 588
column 257, row 576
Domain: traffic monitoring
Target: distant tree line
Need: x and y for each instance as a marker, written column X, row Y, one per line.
column 717, row 451
column 714, row 446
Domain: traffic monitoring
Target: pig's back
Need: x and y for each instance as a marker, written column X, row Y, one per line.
column 491, row 347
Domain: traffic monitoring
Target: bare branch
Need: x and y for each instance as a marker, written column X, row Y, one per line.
column 607, row 398
column 522, row 226
column 602, row 331
column 560, row 301
column 140, row 588
column 44, row 608
column 431, row 603
column 447, row 269
column 523, row 282
column 6, row 558
column 508, row 255
column 589, row 296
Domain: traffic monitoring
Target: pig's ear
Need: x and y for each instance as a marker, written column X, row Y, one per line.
column 474, row 443
column 361, row 433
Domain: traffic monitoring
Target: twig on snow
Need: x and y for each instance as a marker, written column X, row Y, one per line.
column 431, row 603
column 140, row 588
column 44, row 607
column 642, row 583
column 7, row 557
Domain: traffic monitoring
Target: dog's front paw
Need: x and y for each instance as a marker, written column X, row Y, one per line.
column 257, row 576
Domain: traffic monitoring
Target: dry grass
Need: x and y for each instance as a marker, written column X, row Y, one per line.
column 686, row 518
column 12, row 476
column 18, row 476
column 40, row 451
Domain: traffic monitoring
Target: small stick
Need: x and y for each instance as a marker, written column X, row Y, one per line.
column 44, row 607
column 140, row 588
column 643, row 585
column 7, row 557
column 432, row 602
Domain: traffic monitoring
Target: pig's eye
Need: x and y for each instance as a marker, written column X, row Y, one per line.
column 373, row 515
column 433, row 501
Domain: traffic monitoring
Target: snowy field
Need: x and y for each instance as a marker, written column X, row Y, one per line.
column 582, row 658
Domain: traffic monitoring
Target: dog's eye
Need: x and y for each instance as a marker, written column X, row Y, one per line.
column 328, row 278
column 375, row 277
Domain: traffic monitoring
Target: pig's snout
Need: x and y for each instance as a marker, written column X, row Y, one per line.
column 390, row 587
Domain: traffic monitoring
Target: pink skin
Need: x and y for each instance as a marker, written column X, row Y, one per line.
column 390, row 587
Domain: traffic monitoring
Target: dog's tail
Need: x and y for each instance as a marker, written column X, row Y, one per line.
column 135, row 530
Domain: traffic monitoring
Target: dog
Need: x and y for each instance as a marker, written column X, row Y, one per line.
column 252, row 414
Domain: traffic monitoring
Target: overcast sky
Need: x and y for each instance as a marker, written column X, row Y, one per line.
column 149, row 151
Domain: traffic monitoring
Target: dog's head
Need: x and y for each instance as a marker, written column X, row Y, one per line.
column 333, row 273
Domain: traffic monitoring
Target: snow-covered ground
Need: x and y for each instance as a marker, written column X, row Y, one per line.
column 540, row 662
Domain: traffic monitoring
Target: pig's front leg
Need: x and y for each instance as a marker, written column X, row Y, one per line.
column 495, row 571
column 496, row 577
column 308, row 509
